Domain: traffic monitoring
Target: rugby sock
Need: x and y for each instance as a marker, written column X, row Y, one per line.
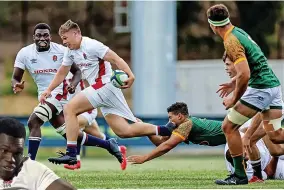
column 162, row 130
column 256, row 165
column 71, row 148
column 33, row 146
column 94, row 141
column 105, row 136
column 239, row 166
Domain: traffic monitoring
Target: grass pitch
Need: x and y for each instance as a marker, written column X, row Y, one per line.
column 167, row 172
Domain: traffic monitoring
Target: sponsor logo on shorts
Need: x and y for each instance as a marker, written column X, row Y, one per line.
column 260, row 98
column 45, row 71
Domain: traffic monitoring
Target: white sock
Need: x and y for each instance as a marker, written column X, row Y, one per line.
column 78, row 157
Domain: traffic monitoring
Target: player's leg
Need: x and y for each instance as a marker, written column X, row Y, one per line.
column 236, row 117
column 253, row 152
column 272, row 117
column 77, row 105
column 41, row 114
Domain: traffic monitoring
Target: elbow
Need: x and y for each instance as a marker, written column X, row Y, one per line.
column 244, row 76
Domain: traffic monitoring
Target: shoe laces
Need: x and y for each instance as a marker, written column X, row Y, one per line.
column 60, row 153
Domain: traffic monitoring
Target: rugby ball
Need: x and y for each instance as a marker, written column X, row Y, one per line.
column 118, row 78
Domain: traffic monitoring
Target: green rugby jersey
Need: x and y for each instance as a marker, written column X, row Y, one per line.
column 202, row 131
column 239, row 46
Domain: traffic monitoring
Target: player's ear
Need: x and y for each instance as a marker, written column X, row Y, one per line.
column 33, row 37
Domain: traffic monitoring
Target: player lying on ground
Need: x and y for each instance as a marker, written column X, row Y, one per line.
column 190, row 129
column 18, row 171
column 94, row 58
column 256, row 88
column 42, row 59
column 271, row 167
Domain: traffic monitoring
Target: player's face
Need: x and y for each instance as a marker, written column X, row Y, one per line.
column 11, row 155
column 42, row 39
column 70, row 39
column 177, row 119
column 230, row 68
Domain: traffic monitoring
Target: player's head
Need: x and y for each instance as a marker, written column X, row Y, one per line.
column 229, row 66
column 178, row 113
column 12, row 141
column 42, row 36
column 218, row 17
column 70, row 34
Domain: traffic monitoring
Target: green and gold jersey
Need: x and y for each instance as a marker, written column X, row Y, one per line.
column 239, row 47
column 201, row 131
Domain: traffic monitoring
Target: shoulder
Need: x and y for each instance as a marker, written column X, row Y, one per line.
column 25, row 51
column 57, row 47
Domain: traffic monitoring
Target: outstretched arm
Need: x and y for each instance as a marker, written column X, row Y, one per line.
column 162, row 149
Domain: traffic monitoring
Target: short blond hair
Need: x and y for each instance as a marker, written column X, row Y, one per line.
column 68, row 25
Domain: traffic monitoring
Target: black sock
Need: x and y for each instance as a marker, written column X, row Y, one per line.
column 256, row 165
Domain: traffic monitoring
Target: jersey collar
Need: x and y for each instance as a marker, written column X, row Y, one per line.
column 228, row 32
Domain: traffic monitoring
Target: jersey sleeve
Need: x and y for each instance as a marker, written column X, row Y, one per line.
column 98, row 48
column 235, row 50
column 20, row 60
column 43, row 175
column 67, row 61
column 183, row 130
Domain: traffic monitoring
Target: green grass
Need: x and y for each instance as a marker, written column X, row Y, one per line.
column 167, row 172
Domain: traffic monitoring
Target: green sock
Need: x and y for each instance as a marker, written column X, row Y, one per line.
column 239, row 166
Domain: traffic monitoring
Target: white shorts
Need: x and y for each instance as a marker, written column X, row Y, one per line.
column 57, row 101
column 263, row 99
column 90, row 116
column 110, row 100
column 279, row 174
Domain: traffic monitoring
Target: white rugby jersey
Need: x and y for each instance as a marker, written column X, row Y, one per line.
column 33, row 176
column 41, row 65
column 264, row 155
column 279, row 174
column 89, row 58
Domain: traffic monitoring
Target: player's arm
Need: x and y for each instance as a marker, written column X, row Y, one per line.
column 77, row 76
column 59, row 77
column 18, row 73
column 60, row 184
column 62, row 72
column 236, row 53
column 270, row 169
column 112, row 57
column 179, row 135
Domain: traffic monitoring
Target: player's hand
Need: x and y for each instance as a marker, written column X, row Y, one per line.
column 246, row 144
column 228, row 102
column 18, row 87
column 226, row 89
column 44, row 95
column 136, row 159
column 71, row 89
column 128, row 82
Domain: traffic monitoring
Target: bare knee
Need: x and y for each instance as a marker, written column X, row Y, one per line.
column 34, row 123
column 68, row 110
column 228, row 128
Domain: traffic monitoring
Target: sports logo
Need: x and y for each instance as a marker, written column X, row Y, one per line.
column 33, row 61
column 54, row 58
column 85, row 56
